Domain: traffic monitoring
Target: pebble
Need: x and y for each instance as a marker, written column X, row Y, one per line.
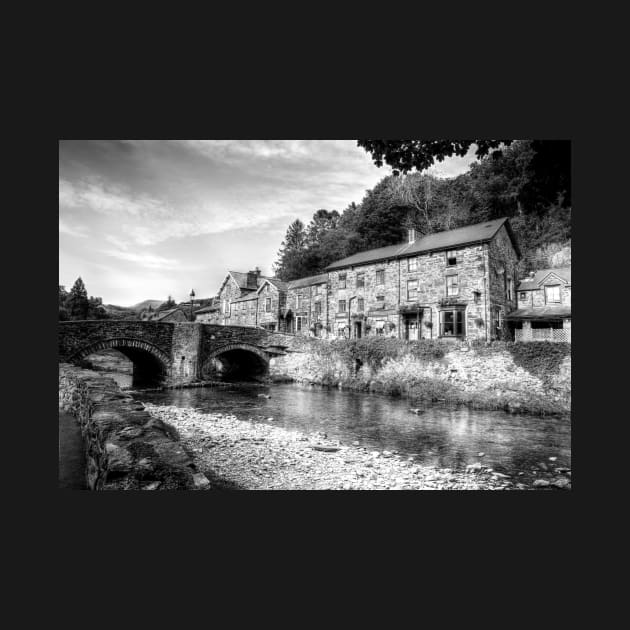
column 541, row 483
column 256, row 455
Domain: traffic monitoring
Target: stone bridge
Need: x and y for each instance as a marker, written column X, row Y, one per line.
column 173, row 353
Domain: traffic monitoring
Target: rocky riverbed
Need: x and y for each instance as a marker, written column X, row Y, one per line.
column 255, row 456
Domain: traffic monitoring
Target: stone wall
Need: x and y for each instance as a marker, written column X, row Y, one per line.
column 126, row 448
column 488, row 374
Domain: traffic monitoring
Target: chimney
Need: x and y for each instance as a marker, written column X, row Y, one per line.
column 252, row 277
column 411, row 235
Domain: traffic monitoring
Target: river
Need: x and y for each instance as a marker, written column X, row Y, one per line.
column 438, row 436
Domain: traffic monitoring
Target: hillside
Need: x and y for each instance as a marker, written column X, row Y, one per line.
column 144, row 305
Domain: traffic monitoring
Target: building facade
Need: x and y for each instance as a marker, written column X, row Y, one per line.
column 457, row 284
column 544, row 307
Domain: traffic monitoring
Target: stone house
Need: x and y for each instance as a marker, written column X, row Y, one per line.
column 306, row 307
column 271, row 305
column 236, row 284
column 456, row 284
column 544, row 307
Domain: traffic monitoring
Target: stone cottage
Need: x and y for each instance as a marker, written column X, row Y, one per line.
column 544, row 307
column 456, row 284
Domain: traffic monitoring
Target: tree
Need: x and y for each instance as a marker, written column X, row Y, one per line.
column 78, row 305
column 291, row 262
column 170, row 303
column 406, row 155
column 550, row 163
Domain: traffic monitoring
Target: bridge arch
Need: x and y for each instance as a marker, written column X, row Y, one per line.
column 150, row 363
column 236, row 362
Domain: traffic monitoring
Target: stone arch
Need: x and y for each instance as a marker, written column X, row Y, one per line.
column 240, row 361
column 151, row 364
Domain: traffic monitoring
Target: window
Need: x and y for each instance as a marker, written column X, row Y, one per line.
column 412, row 264
column 318, row 308
column 380, row 276
column 452, row 323
column 268, row 305
column 316, row 289
column 342, row 281
column 360, row 280
column 552, row 293
column 412, row 289
column 300, row 298
column 342, row 306
column 360, row 304
column 523, row 295
column 510, row 289
column 452, row 288
column 380, row 298
column 451, row 258
column 300, row 323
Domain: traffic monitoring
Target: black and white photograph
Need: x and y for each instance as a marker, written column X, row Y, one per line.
column 315, row 315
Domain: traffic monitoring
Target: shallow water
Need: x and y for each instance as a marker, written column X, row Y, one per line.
column 439, row 436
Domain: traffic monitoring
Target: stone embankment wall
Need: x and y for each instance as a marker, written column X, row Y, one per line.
column 491, row 376
column 126, row 448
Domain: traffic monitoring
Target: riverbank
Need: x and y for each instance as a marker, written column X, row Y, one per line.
column 532, row 378
column 238, row 454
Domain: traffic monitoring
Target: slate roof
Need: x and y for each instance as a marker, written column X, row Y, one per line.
column 307, row 282
column 208, row 309
column 541, row 312
column 530, row 284
column 162, row 314
column 279, row 284
column 478, row 233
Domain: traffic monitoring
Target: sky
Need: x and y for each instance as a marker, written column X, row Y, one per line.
column 145, row 219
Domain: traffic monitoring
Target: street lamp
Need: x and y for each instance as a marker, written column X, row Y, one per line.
column 192, row 297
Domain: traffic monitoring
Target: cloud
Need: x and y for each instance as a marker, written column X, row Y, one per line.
column 109, row 199
column 148, row 260
column 78, row 231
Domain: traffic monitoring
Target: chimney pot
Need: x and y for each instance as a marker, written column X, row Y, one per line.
column 411, row 233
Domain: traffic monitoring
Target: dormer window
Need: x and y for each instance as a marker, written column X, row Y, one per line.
column 451, row 258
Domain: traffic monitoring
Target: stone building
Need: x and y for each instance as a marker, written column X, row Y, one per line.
column 306, row 307
column 456, row 284
column 544, row 307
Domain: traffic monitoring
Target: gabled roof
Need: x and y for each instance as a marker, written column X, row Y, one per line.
column 241, row 278
column 307, row 282
column 278, row 284
column 478, row 233
column 530, row 284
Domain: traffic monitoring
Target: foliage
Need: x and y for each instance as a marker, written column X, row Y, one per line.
column 509, row 181
column 405, row 155
column 76, row 304
column 540, row 358
column 165, row 306
column 374, row 351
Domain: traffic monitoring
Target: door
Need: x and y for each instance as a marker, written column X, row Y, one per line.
column 411, row 328
column 357, row 330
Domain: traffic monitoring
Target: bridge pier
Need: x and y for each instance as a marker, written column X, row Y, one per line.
column 185, row 346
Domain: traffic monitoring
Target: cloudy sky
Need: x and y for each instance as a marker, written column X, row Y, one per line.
column 147, row 219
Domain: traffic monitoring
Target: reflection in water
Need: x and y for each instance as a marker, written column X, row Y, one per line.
column 440, row 436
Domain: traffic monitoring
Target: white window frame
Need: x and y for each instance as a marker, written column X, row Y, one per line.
column 553, row 286
column 412, row 264
column 449, row 289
